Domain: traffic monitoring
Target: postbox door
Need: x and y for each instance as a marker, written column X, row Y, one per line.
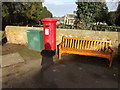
column 47, row 36
column 49, row 33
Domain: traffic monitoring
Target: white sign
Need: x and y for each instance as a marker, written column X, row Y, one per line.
column 46, row 31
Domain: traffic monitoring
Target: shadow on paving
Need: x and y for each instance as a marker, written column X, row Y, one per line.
column 73, row 71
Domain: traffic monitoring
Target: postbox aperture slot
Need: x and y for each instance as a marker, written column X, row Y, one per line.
column 47, row 25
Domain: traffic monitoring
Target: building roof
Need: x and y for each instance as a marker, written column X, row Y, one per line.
column 70, row 16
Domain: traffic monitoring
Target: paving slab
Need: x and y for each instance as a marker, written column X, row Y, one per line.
column 11, row 59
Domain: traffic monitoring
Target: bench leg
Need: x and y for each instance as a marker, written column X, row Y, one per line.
column 110, row 60
column 59, row 55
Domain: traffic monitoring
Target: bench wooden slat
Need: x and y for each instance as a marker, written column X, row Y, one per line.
column 88, row 45
column 63, row 44
column 78, row 44
column 103, row 46
column 97, row 46
column 91, row 44
column 66, row 42
column 82, row 44
column 70, row 43
column 63, row 41
column 107, row 44
column 94, row 45
column 73, row 43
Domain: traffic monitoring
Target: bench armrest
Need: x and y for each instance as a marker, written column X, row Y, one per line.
column 60, row 45
column 111, row 50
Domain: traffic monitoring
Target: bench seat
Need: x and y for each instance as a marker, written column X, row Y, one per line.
column 86, row 52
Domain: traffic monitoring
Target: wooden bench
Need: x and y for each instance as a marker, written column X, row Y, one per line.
column 89, row 47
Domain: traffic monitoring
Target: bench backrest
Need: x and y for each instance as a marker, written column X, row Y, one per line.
column 89, row 44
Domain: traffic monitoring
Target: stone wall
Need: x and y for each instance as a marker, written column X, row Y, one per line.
column 88, row 34
column 17, row 35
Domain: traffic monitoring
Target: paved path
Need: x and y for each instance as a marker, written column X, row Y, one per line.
column 73, row 71
column 78, row 72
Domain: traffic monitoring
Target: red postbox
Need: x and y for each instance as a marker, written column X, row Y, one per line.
column 49, row 25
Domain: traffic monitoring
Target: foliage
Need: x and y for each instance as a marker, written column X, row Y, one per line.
column 33, row 12
column 106, row 28
column 61, row 26
column 111, row 18
column 45, row 13
column 114, row 17
column 22, row 13
column 117, row 21
column 89, row 12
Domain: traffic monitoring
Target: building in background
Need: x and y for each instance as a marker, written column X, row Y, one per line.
column 69, row 19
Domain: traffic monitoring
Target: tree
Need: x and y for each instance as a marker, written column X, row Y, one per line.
column 111, row 18
column 114, row 17
column 90, row 12
column 22, row 13
column 33, row 12
column 8, row 13
column 102, row 13
column 117, row 20
column 45, row 13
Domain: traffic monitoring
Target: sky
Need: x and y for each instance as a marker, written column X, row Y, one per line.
column 60, row 8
